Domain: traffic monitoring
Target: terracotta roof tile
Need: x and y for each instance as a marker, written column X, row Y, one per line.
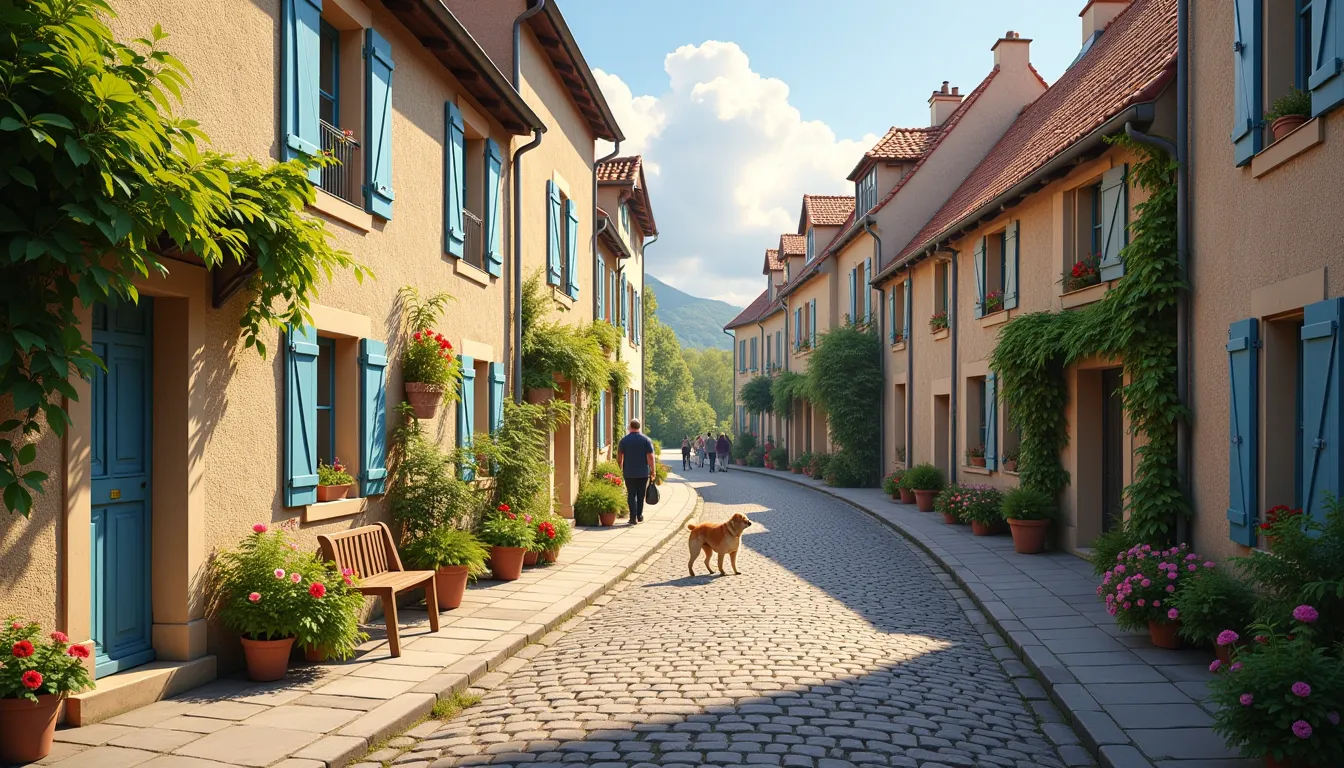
column 620, row 168
column 772, row 262
column 793, row 245
column 755, row 310
column 1125, row 65
column 629, row 171
column 904, row 143
column 827, row 210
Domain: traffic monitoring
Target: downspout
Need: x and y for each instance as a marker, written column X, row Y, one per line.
column 599, row 228
column 760, row 359
column 882, row 356
column 643, row 401
column 953, row 320
column 910, row 383
column 516, row 170
column 733, row 341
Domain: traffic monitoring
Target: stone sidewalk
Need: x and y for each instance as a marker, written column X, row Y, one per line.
column 326, row 715
column 1133, row 705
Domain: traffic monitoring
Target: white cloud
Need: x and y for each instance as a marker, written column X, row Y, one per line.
column 730, row 159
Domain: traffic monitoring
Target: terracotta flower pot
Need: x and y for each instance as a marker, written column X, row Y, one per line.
column 315, row 655
column 606, row 519
column 530, row 557
column 267, row 660
column 977, row 461
column 1009, row 466
column 907, row 496
column 551, row 555
column 424, row 399
column 1270, row 541
column 924, row 500
column 1286, row 125
column 1029, row 536
column 1224, row 653
column 797, row 470
column 506, row 563
column 950, row 519
column 1164, row 635
column 450, row 584
column 984, row 529
column 332, row 492
column 27, row 728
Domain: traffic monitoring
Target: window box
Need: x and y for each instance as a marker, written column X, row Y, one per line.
column 1308, row 135
column 330, row 510
column 997, row 318
column 942, row 334
column 976, row 470
column 1084, row 296
column 898, row 346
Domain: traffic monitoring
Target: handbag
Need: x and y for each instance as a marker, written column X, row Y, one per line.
column 651, row 495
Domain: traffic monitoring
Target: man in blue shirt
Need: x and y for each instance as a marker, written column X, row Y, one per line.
column 635, row 455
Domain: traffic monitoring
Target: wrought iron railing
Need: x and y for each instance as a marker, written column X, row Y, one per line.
column 340, row 178
column 475, row 254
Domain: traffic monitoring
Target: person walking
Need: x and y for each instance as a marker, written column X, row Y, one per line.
column 635, row 456
column 685, row 453
column 711, row 449
column 724, row 447
column 700, row 450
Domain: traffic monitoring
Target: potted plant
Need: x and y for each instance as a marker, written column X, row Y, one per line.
column 36, row 675
column 1140, row 589
column 508, row 535
column 938, row 321
column 779, row 458
column 1085, row 273
column 1028, row 512
column 456, row 557
column 925, row 480
column 1288, row 112
column 982, row 507
column 802, row 463
column 333, row 482
column 948, row 503
column 993, row 302
column 1010, row 460
column 429, row 368
column 1210, row 603
column 1273, row 517
column 272, row 594
column 600, row 502
column 891, row 484
column 975, row 456
column 1282, row 696
column 820, row 461
column 553, row 533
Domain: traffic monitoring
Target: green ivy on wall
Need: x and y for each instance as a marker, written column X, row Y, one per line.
column 1136, row 323
column 787, row 387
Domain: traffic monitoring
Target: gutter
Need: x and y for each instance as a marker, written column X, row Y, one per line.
column 1140, row 114
column 516, row 170
column 882, row 354
column 733, row 415
column 1183, row 257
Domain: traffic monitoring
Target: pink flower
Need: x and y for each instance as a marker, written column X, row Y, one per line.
column 255, row 597
column 1213, row 667
column 1141, row 602
column 1227, row 637
column 1171, row 587
column 1146, row 583
column 259, row 528
column 59, row 637
column 1302, row 729
column 1208, row 563
column 1306, row 614
column 1236, row 666
column 1173, row 614
column 1301, row 690
column 1247, row 699
column 1192, row 567
column 1333, row 717
column 1261, row 639
column 1120, row 569
column 1171, row 575
column 16, row 625
column 296, row 578
column 279, row 573
column 1157, row 603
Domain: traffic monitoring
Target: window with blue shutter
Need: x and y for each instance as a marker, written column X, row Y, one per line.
column 991, row 422
column 797, row 327
column 867, row 289
column 1010, row 265
column 1322, row 430
column 1327, row 56
column 378, row 118
column 980, row 277
column 1247, row 98
column 601, row 284
column 300, row 89
column 372, row 417
column 742, row 356
column 812, row 321
column 625, row 319
column 905, row 324
column 1114, row 221
column 1243, row 365
column 466, row 416
column 571, row 249
column 601, row 426
column 853, row 295
column 496, row 397
column 301, row 417
column 553, row 239
column 891, row 316
column 454, row 180
column 494, row 209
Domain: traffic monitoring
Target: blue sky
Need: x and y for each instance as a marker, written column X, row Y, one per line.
column 742, row 106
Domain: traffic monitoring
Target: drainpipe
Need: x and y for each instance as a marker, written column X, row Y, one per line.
column 882, row 355
column 733, row 341
column 643, row 248
column 910, row 383
column 953, row 320
column 599, row 228
column 516, row 170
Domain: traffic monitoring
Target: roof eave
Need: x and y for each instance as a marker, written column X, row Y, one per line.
column 553, row 33
column 614, row 241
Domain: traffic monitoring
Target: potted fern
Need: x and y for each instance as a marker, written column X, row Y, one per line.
column 455, row 556
column 1288, row 112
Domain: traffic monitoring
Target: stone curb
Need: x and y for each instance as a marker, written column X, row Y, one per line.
column 396, row 715
column 1099, row 734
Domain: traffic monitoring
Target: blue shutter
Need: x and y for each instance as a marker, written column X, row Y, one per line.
column 979, row 263
column 906, row 325
column 813, row 329
column 639, row 318
column 891, row 315
column 625, row 320
column 466, row 416
column 572, row 249
column 553, row 214
column 991, row 407
column 496, row 397
column 1243, row 365
column 1010, row 264
column 601, row 284
column 301, row 417
column 853, row 295
column 601, row 426
column 867, row 289
column 797, row 327
column 494, row 217
column 454, row 180
column 299, row 89
column 1247, row 54
column 378, row 117
column 1114, row 221
column 372, row 417
column 1322, row 430
column 1327, row 56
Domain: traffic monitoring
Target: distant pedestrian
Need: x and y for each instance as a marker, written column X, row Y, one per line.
column 685, row 453
column 635, row 455
column 711, row 449
column 724, row 447
column 700, row 450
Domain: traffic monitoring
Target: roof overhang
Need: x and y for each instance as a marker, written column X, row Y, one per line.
column 608, row 235
column 557, row 42
column 639, row 199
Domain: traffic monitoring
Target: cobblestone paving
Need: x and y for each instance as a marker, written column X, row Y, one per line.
column 836, row 646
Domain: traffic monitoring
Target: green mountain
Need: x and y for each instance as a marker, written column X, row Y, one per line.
column 697, row 322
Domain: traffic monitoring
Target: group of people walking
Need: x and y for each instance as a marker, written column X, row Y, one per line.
column 703, row 447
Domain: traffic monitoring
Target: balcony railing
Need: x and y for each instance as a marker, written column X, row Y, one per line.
column 340, row 179
column 475, row 254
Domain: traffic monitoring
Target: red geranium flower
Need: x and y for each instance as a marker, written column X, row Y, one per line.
column 503, row 507
column 22, row 649
column 32, row 679
column 59, row 637
column 78, row 651
column 317, row 590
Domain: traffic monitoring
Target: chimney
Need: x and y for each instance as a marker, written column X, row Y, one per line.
column 1098, row 13
column 943, row 103
column 1012, row 51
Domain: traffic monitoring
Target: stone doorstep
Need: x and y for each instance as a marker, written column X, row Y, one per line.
column 137, row 688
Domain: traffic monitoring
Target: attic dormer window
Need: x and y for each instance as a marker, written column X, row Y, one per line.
column 811, row 242
column 865, row 194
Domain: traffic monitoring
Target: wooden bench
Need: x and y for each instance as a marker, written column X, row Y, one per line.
column 370, row 552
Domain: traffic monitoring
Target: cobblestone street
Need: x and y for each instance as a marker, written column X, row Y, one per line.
column 837, row 645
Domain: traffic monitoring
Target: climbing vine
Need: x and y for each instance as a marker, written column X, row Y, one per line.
column 757, row 395
column 844, row 377
column 98, row 178
column 1136, row 323
column 786, row 387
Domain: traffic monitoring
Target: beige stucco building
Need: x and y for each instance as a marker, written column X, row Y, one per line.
column 189, row 439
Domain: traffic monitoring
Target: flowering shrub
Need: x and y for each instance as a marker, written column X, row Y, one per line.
column 31, row 666
column 551, row 532
column 923, row 477
column 428, row 359
column 1084, row 272
column 1211, row 601
column 938, row 321
column 1282, row 695
column 505, row 528
column 333, row 473
column 268, row 590
column 891, row 484
column 1276, row 515
column 1144, row 581
column 1306, row 567
column 993, row 301
column 966, row 503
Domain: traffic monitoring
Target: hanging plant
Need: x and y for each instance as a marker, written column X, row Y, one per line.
column 757, row 395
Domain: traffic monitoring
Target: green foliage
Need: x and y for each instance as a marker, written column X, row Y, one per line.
column 712, row 377
column 891, row 484
column 576, row 353
column 445, row 547
column 743, row 445
column 786, row 387
column 660, row 472
column 597, row 499
column 820, row 461
column 1213, row 600
column 452, row 706
column 333, row 473
column 1023, row 503
column 605, row 468
column 1134, row 322
column 1307, row 566
column 845, row 470
column 1110, row 545
column 756, row 457
column 428, row 358
column 57, row 664
column 426, row 494
column 696, row 322
column 517, row 454
column 674, row 406
column 923, row 477
column 507, row 528
column 98, row 179
column 780, row 458
column 1295, row 102
column 757, row 395
column 971, row 503
column 803, row 461
column 844, row 377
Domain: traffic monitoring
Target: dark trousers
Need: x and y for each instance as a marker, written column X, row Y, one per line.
column 634, row 496
column 685, row 459
column 711, row 461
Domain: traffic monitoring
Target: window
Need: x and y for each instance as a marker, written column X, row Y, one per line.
column 975, row 414
column 753, row 353
column 991, row 267
column 1281, row 402
column 896, row 305
column 941, row 278
column 811, row 245
column 562, row 240
column 742, row 356
column 767, row 354
column 329, row 76
column 326, row 395
column 865, row 194
column 779, row 348
column 625, row 219
column 898, row 423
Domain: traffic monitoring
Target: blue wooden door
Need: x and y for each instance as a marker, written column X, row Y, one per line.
column 120, row 473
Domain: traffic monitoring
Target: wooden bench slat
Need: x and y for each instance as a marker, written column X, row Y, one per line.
column 370, row 552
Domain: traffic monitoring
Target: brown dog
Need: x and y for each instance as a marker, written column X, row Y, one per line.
column 717, row 537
